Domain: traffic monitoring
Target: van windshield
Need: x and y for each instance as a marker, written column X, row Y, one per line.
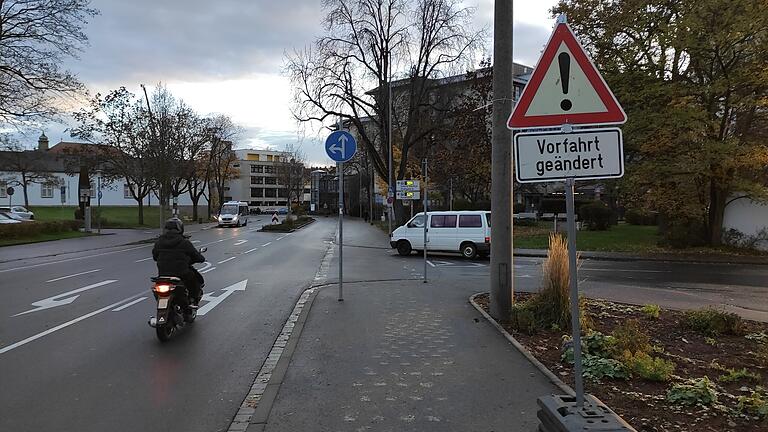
column 229, row 209
column 417, row 222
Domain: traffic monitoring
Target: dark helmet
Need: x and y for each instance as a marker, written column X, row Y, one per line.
column 174, row 225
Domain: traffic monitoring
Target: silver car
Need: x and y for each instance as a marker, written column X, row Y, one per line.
column 5, row 219
column 20, row 211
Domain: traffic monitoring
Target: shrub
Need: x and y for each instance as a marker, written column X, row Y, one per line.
column 710, row 321
column 760, row 338
column 629, row 337
column 652, row 311
column 596, row 368
column 736, row 375
column 596, row 215
column 593, row 344
column 756, row 404
column 641, row 217
column 647, row 367
column 694, row 391
column 681, row 232
column 32, row 229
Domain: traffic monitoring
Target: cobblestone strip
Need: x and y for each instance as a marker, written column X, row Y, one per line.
column 251, row 402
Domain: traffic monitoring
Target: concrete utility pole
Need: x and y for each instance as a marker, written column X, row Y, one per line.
column 501, row 163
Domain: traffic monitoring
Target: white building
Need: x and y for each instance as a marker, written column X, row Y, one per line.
column 258, row 183
column 62, row 190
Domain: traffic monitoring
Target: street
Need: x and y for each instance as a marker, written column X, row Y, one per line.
column 76, row 352
column 74, row 337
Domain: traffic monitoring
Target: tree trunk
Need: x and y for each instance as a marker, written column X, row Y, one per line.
column 195, row 200
column 141, row 211
column 717, row 198
column 26, row 195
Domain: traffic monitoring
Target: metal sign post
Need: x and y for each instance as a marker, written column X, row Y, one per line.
column 341, row 147
column 426, row 217
column 575, row 313
column 10, row 192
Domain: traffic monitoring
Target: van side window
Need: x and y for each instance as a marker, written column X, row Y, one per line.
column 470, row 221
column 443, row 221
column 417, row 222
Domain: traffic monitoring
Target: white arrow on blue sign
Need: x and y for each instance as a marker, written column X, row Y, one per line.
column 340, row 146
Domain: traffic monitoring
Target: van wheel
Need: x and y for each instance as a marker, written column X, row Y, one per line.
column 469, row 250
column 404, row 248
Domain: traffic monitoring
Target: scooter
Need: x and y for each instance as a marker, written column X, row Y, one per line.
column 171, row 316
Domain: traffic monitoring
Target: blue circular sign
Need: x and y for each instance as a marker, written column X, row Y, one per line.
column 340, row 146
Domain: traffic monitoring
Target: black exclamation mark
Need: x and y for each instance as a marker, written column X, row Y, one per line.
column 565, row 68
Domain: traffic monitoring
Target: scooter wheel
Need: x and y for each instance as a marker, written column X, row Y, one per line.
column 165, row 331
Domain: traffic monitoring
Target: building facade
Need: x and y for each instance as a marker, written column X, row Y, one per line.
column 258, row 182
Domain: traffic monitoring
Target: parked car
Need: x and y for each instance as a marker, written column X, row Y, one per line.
column 14, row 216
column 466, row 232
column 19, row 210
column 7, row 219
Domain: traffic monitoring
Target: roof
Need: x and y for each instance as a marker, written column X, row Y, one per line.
column 522, row 74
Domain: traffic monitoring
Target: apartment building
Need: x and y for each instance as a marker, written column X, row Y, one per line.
column 258, row 182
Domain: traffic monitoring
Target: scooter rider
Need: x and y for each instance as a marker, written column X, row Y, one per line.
column 175, row 255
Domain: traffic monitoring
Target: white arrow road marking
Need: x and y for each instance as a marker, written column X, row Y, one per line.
column 129, row 304
column 226, row 260
column 66, row 324
column 239, row 242
column 55, row 301
column 73, row 275
column 207, row 269
column 214, row 301
column 142, row 260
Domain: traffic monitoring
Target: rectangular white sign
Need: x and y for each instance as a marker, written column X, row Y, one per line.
column 582, row 154
column 408, row 185
column 408, row 195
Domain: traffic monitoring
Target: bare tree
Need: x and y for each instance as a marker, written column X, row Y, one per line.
column 28, row 166
column 120, row 124
column 222, row 158
column 365, row 43
column 292, row 174
column 36, row 36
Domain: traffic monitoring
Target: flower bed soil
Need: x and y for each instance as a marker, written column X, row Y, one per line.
column 643, row 403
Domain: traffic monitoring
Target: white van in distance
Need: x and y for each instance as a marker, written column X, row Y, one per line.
column 466, row 232
column 234, row 213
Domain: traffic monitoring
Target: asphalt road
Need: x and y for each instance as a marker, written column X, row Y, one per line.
column 76, row 352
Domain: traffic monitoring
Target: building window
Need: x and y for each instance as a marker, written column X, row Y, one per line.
column 257, row 180
column 270, row 181
column 257, row 192
column 270, row 158
column 3, row 189
column 269, row 169
column 270, row 193
column 256, row 169
column 282, row 193
column 46, row 190
column 127, row 191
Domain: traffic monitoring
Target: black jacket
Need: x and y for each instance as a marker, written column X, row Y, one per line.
column 175, row 254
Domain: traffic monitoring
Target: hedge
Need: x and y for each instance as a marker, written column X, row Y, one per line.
column 32, row 229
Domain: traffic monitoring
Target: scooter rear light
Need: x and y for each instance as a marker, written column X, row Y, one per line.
column 163, row 288
column 487, row 240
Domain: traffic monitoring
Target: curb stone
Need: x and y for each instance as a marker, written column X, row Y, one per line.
column 524, row 351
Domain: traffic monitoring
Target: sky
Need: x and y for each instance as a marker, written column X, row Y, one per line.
column 226, row 56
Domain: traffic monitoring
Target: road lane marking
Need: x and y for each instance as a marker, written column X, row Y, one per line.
column 71, row 259
column 280, row 238
column 65, row 325
column 226, row 260
column 208, row 269
column 195, row 241
column 72, row 275
column 239, row 242
column 56, row 300
column 626, row 270
column 251, row 250
column 430, row 263
column 142, row 260
column 129, row 304
column 215, row 301
column 266, row 244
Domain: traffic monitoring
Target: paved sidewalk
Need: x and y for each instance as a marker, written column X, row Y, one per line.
column 401, row 355
column 667, row 257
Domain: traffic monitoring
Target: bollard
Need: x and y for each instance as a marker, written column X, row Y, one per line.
column 561, row 413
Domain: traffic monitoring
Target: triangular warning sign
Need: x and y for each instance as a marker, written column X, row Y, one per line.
column 565, row 88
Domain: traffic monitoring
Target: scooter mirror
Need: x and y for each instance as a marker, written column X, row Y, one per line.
column 203, row 249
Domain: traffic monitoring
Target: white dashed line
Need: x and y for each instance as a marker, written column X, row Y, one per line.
column 266, row 244
column 251, row 250
column 142, row 260
column 73, row 275
column 280, row 238
column 226, row 260
column 127, row 305
column 239, row 242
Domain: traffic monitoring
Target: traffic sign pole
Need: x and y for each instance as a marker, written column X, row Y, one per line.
column 340, row 169
column 426, row 216
column 575, row 313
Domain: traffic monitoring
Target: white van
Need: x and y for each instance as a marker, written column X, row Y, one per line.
column 233, row 213
column 466, row 232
